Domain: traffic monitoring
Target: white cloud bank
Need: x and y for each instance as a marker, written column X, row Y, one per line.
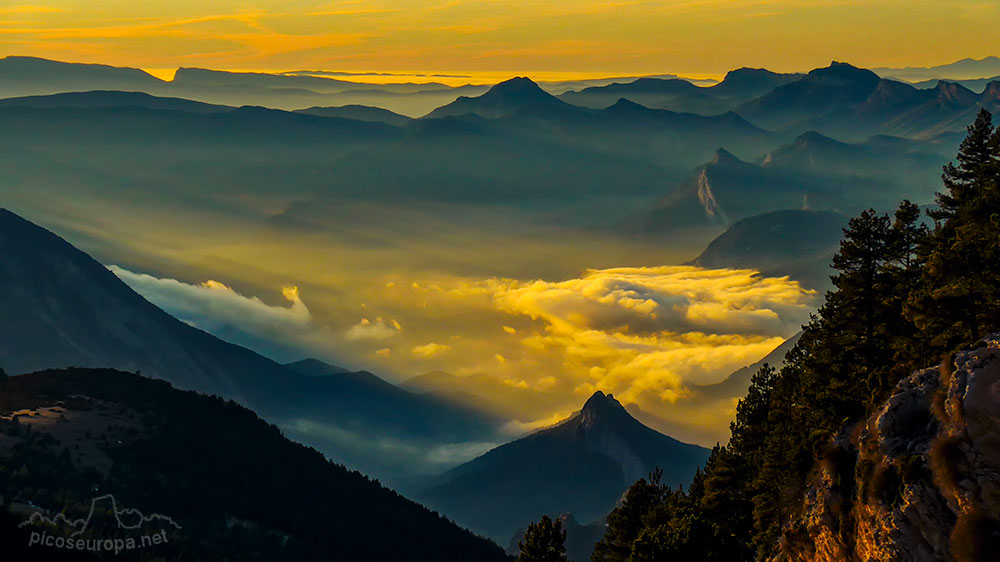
column 287, row 332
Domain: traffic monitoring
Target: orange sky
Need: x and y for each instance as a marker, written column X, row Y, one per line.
column 569, row 36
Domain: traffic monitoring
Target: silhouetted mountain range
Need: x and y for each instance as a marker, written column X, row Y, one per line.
column 580, row 466
column 680, row 95
column 853, row 103
column 24, row 76
column 959, row 70
column 112, row 99
column 359, row 112
column 598, row 165
column 813, row 172
column 503, row 100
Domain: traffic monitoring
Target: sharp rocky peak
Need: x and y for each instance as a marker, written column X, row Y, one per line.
column 601, row 407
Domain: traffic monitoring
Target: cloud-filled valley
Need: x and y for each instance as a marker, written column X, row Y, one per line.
column 647, row 334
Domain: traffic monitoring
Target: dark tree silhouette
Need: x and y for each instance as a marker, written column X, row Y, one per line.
column 956, row 300
column 544, row 541
column 902, row 295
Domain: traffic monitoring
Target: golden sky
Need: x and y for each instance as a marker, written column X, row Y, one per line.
column 703, row 37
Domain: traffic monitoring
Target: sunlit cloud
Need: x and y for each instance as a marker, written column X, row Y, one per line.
column 373, row 330
column 281, row 331
column 538, row 348
column 517, row 427
column 430, row 349
column 646, row 334
column 212, row 304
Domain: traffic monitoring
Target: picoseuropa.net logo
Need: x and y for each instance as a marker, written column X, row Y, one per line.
column 126, row 529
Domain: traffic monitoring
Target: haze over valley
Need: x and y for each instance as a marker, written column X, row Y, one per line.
column 495, row 295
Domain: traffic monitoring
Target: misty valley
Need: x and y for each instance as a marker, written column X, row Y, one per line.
column 315, row 315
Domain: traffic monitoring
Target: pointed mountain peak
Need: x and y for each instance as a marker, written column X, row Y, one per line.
column 517, row 86
column 624, row 104
column 313, row 367
column 723, row 156
column 602, row 407
column 504, row 99
column 813, row 137
column 595, row 400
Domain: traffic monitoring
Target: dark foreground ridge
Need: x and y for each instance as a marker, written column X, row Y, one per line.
column 235, row 487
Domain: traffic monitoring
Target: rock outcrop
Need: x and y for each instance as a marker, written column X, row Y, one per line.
column 918, row 481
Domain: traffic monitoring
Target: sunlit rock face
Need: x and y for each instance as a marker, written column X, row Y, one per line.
column 919, row 481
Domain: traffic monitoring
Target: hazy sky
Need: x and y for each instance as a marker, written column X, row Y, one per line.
column 581, row 36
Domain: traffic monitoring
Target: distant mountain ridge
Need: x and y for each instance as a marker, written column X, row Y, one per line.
column 680, row 95
column 811, row 173
column 24, row 76
column 581, row 466
column 719, row 192
column 964, row 69
column 315, row 368
column 360, row 113
column 112, row 98
column 30, row 76
column 502, row 100
column 854, row 103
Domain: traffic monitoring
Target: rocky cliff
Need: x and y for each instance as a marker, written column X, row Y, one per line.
column 918, row 481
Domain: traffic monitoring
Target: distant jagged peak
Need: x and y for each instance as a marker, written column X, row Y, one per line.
column 953, row 93
column 723, row 156
column 624, row 105
column 503, row 99
column 810, row 139
column 603, row 409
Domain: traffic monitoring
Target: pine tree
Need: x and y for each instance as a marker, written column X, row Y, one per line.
column 975, row 157
column 954, row 307
column 544, row 541
column 626, row 522
column 903, row 279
